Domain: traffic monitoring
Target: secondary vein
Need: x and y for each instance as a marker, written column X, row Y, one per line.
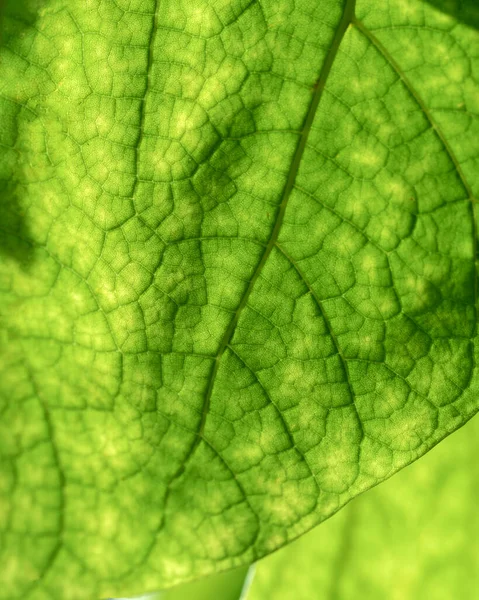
column 149, row 63
column 427, row 113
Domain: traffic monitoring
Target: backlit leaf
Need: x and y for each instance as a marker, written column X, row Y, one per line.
column 237, row 280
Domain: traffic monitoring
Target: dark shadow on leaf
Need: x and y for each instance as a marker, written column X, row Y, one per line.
column 16, row 17
column 466, row 11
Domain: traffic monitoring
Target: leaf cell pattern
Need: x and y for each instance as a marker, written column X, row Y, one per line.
column 238, row 275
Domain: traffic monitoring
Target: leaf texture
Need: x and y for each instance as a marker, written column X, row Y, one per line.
column 238, row 277
column 413, row 537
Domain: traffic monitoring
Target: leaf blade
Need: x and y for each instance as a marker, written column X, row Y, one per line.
column 205, row 192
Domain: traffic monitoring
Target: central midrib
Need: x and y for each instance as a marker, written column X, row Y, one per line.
column 346, row 20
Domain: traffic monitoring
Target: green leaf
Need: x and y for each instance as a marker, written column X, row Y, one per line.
column 414, row 537
column 411, row 538
column 462, row 10
column 238, row 281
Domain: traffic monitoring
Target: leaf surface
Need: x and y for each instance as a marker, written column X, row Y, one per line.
column 238, row 281
column 413, row 537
